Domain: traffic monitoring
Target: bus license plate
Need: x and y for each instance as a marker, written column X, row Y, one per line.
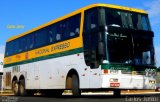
column 114, row 84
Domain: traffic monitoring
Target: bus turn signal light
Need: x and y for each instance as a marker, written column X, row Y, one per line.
column 105, row 71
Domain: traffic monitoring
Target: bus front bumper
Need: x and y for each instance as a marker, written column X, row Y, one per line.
column 128, row 82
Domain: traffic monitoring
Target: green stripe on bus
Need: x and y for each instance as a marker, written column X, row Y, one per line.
column 119, row 66
column 116, row 67
column 65, row 53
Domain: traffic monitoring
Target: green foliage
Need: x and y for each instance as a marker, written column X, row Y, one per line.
column 158, row 69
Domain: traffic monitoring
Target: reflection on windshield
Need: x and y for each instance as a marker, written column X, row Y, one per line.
column 126, row 19
column 143, row 50
column 123, row 48
column 119, row 46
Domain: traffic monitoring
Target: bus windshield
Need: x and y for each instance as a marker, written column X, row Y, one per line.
column 126, row 19
column 119, row 47
column 143, row 50
column 130, row 48
column 126, row 35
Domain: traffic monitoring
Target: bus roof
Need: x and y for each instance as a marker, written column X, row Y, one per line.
column 76, row 12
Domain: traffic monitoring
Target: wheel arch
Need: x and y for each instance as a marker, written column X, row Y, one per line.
column 70, row 73
column 14, row 78
column 21, row 77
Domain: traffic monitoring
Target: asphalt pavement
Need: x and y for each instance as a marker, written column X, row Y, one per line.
column 148, row 97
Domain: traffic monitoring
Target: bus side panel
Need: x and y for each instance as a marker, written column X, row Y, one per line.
column 52, row 73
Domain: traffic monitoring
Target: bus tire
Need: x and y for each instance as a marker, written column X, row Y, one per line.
column 15, row 87
column 117, row 93
column 75, row 86
column 22, row 90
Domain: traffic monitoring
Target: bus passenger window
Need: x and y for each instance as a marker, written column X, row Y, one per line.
column 113, row 18
column 72, row 34
column 50, row 36
column 74, row 25
column 58, row 37
column 144, row 23
column 93, row 26
column 77, row 31
column 32, row 41
column 52, row 33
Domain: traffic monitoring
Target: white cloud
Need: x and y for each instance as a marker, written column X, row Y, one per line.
column 1, row 57
column 2, row 48
column 153, row 8
column 157, row 54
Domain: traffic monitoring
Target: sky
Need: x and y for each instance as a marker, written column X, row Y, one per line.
column 18, row 16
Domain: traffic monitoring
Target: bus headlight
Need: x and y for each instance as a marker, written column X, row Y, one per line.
column 149, row 74
column 113, row 71
column 152, row 81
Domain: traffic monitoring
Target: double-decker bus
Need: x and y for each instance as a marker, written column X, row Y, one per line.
column 97, row 47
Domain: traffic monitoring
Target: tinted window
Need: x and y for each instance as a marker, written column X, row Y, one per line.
column 113, row 17
column 66, row 29
column 119, row 48
column 22, row 42
column 90, row 22
column 144, row 23
column 143, row 50
column 119, row 18
column 40, row 38
column 140, row 22
column 134, row 17
column 63, row 30
column 90, row 42
column 8, row 49
column 16, row 46
column 52, row 33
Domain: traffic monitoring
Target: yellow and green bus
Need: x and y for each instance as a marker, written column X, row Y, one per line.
column 98, row 47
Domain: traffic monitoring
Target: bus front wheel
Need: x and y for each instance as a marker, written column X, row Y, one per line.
column 75, row 86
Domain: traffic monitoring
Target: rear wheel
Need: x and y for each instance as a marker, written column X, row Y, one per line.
column 75, row 86
column 15, row 87
column 22, row 90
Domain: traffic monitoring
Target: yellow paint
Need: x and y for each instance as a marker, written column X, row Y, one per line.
column 47, row 50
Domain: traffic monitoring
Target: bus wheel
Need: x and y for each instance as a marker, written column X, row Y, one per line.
column 15, row 87
column 22, row 90
column 69, row 83
column 75, row 86
column 117, row 93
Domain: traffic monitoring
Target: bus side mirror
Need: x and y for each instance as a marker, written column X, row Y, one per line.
column 1, row 63
column 101, row 50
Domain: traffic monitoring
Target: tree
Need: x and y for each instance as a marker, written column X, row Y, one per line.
column 158, row 75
